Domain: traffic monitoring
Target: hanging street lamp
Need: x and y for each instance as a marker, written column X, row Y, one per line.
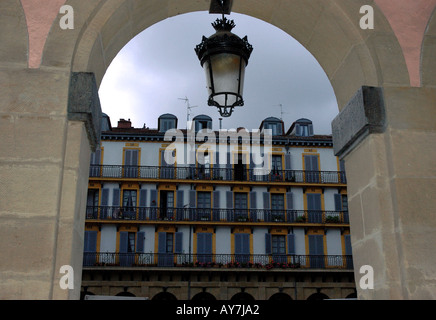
column 224, row 57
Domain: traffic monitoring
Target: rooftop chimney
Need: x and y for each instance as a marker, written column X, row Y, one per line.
column 124, row 124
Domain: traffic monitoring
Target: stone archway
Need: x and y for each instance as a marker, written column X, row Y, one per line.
column 47, row 140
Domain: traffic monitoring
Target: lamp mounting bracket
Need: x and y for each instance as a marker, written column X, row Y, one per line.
column 220, row 6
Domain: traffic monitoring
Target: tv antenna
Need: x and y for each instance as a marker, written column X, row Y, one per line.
column 188, row 108
column 281, row 110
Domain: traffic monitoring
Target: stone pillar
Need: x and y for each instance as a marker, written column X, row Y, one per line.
column 45, row 144
column 387, row 137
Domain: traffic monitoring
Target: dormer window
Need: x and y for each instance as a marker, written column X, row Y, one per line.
column 303, row 128
column 166, row 122
column 202, row 122
column 274, row 124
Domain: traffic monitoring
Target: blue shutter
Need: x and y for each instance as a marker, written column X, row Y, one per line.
column 161, row 244
column 140, row 236
column 124, row 238
column 180, row 200
column 266, row 206
column 268, row 246
column 90, row 244
column 116, row 197
column 178, row 246
column 253, row 205
column 104, row 197
column 229, row 205
column 143, row 197
column 291, row 243
column 338, row 202
column 347, row 239
column 238, row 243
column 216, row 205
column 253, row 200
column 289, row 200
column 229, row 199
column 287, row 161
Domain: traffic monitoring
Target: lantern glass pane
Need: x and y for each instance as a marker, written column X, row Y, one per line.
column 226, row 77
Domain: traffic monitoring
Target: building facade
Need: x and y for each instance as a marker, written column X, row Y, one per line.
column 198, row 214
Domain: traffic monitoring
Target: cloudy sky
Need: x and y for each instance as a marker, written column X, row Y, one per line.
column 159, row 67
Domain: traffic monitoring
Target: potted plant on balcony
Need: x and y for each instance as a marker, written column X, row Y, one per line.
column 332, row 219
column 277, row 218
column 301, row 219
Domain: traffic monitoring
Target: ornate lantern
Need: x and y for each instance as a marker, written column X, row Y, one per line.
column 224, row 57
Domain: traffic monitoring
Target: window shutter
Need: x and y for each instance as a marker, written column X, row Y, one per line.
column 289, row 200
column 347, row 239
column 266, row 204
column 291, row 243
column 134, row 160
column 338, row 202
column 124, row 241
column 143, row 197
column 161, row 246
column 253, row 200
column 140, row 236
column 297, row 130
column 105, row 197
column 127, row 157
column 238, row 243
column 180, row 199
column 310, row 127
column 229, row 199
column 287, row 161
column 216, row 199
column 90, row 241
column 178, row 247
column 116, row 197
column 268, row 247
column 192, row 198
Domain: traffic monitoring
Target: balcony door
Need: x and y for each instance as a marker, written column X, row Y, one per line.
column 277, row 207
column 129, row 204
column 131, row 163
column 314, row 209
column 241, row 206
column 92, row 204
column 311, row 169
column 166, row 205
column 203, row 206
column 204, row 247
column 316, row 251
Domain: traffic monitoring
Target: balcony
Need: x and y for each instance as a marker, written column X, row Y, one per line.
column 183, row 260
column 217, row 174
column 111, row 213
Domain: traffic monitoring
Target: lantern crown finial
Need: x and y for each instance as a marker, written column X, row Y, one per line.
column 223, row 24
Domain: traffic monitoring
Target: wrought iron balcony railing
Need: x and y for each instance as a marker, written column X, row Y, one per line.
column 107, row 213
column 261, row 261
column 220, row 174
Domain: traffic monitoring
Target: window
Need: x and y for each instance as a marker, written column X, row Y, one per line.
column 203, row 205
column 276, row 168
column 131, row 163
column 92, row 204
column 94, row 169
column 129, row 204
column 311, row 168
column 241, row 206
column 166, row 204
column 278, row 244
column 314, row 207
column 278, row 207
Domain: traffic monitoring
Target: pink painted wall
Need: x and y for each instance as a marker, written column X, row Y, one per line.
column 408, row 19
column 39, row 16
